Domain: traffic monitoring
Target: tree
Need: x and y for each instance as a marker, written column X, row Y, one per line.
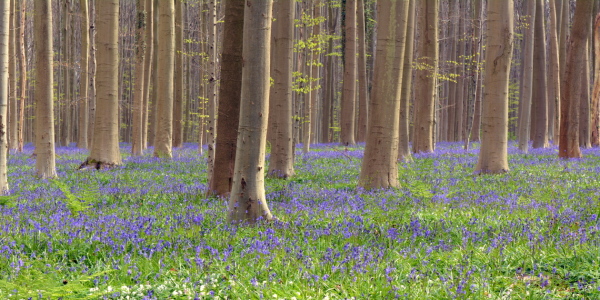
column 12, row 120
column 539, row 105
column 82, row 138
column 23, row 74
column 568, row 146
column 148, row 71
column 212, row 84
column 105, row 146
column 229, row 99
column 347, row 120
column 406, row 91
column 5, row 11
column 247, row 202
column 163, row 134
column 527, row 80
column 138, row 100
column 178, row 88
column 280, row 109
column 379, row 166
column 595, row 102
column 363, row 94
column 44, row 111
column 425, row 85
column 553, row 75
column 494, row 138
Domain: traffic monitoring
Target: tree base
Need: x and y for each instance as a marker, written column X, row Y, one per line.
column 93, row 164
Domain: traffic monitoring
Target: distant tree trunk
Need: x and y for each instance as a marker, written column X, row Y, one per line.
column 527, row 80
column 473, row 127
column 539, row 103
column 568, row 146
column 12, row 117
column 44, row 112
column 212, row 84
column 407, row 74
column 584, row 106
column 595, row 105
column 23, row 74
column 459, row 105
column 425, row 85
column 329, row 78
column 553, row 76
column 92, row 73
column 363, row 96
column 452, row 84
column 82, row 127
column 138, row 100
column 5, row 11
column 105, row 146
column 65, row 121
column 347, row 120
column 163, row 134
column 247, row 202
column 152, row 113
column 280, row 109
column 148, row 71
column 229, row 99
column 494, row 139
column 178, row 88
column 315, row 74
column 379, row 166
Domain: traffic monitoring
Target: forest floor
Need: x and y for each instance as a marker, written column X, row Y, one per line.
column 145, row 231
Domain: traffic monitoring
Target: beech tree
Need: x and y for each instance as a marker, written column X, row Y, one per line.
column 5, row 7
column 138, row 101
column 527, row 80
column 247, row 202
column 539, row 105
column 406, row 89
column 379, row 166
column 494, row 138
column 348, row 106
column 82, row 138
column 44, row 111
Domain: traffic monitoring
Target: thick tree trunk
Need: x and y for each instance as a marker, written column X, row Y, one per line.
column 568, row 146
column 138, row 97
column 44, row 113
column 163, row 134
column 425, row 85
column 348, row 108
column 379, row 167
column 178, row 88
column 247, row 202
column 494, row 139
column 363, row 95
column 229, row 99
column 527, row 80
column 280, row 109
column 539, row 105
column 5, row 12
column 406, row 91
column 105, row 146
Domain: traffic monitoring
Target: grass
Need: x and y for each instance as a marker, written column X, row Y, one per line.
column 145, row 231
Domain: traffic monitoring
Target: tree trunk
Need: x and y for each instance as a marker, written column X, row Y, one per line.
column 178, row 88
column 363, row 95
column 105, row 146
column 329, row 78
column 92, row 73
column 539, row 103
column 527, row 80
column 347, row 119
column 494, row 139
column 425, row 85
column 229, row 99
column 5, row 12
column 379, row 166
column 163, row 134
column 280, row 109
column 148, row 71
column 477, row 52
column 138, row 100
column 82, row 127
column 23, row 74
column 553, row 76
column 12, row 117
column 405, row 96
column 44, row 112
column 315, row 73
column 595, row 104
column 247, row 202
column 568, row 146
column 584, row 107
column 460, row 86
column 212, row 84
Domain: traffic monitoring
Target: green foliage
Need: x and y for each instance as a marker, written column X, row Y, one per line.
column 8, row 200
column 81, row 202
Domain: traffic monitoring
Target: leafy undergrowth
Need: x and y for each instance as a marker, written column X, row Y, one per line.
column 145, row 231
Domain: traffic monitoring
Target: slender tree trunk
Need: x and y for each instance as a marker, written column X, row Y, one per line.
column 212, row 84
column 539, row 103
column 23, row 74
column 44, row 112
column 475, row 119
column 452, row 84
column 280, row 109
column 82, row 137
column 148, row 71
column 379, row 167
column 329, row 78
column 229, row 99
column 12, row 119
column 494, row 139
column 316, row 74
column 247, row 202
column 138, row 100
column 363, row 95
column 349, row 88
column 163, row 134
column 595, row 104
column 553, row 76
column 584, row 107
column 92, row 73
column 459, row 106
column 568, row 146
column 105, row 146
column 65, row 121
column 178, row 88
column 5, row 12
column 405, row 96
column 152, row 114
column 527, row 80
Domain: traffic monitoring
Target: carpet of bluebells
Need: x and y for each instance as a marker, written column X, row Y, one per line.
column 145, row 231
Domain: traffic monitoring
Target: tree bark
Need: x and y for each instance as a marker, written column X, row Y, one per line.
column 584, row 107
column 595, row 104
column 281, row 163
column 247, row 202
column 527, row 80
column 494, row 139
column 12, row 117
column 5, row 12
column 44, row 112
column 539, row 105
column 553, row 76
column 229, row 99
column 138, row 97
column 23, row 74
column 348, row 109
column 568, row 146
column 363, row 95
column 406, row 90
column 148, row 71
column 379, row 166
column 212, row 84
column 178, row 88
column 82, row 127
